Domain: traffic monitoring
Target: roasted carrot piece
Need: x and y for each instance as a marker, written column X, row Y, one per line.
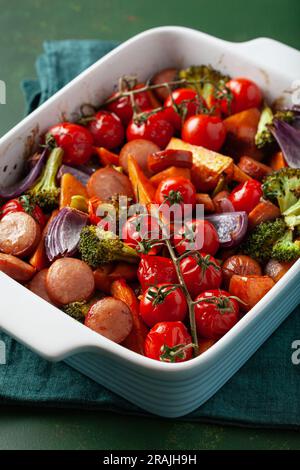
column 277, row 161
column 263, row 212
column 39, row 259
column 205, row 199
column 170, row 172
column 135, row 341
column 106, row 157
column 143, row 189
column 70, row 186
column 124, row 270
column 239, row 175
column 241, row 129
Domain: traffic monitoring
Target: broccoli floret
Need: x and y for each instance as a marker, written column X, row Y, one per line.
column 264, row 135
column 98, row 247
column 285, row 249
column 209, row 79
column 45, row 192
column 260, row 241
column 283, row 187
column 292, row 215
column 77, row 310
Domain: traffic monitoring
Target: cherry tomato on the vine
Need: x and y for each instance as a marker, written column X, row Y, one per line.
column 23, row 204
column 154, row 270
column 75, row 140
column 201, row 272
column 122, row 106
column 187, row 100
column 164, row 302
column 216, row 312
column 245, row 95
column 246, row 196
column 178, row 192
column 155, row 128
column 198, row 235
column 169, row 342
column 204, row 130
column 139, row 230
column 107, row 130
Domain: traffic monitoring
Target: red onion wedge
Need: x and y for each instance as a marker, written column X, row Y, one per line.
column 288, row 139
column 80, row 175
column 21, row 187
column 64, row 232
column 231, row 227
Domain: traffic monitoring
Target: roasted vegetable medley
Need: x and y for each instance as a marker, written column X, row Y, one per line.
column 161, row 218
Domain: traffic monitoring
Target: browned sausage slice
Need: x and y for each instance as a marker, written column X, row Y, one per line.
column 254, row 168
column 107, row 182
column 264, row 211
column 111, row 318
column 165, row 75
column 19, row 234
column 37, row 285
column 139, row 149
column 16, row 268
column 242, row 265
column 69, row 280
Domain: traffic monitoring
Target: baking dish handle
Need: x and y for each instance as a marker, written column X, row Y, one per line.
column 273, row 54
column 41, row 326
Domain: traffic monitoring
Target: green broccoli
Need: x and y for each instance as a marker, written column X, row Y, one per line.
column 285, row 249
column 209, row 81
column 292, row 215
column 264, row 135
column 98, row 247
column 45, row 192
column 283, row 187
column 259, row 243
column 77, row 310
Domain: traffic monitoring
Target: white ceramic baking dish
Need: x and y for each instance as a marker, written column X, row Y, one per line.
column 165, row 389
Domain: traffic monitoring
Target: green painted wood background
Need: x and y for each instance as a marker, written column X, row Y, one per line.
column 23, row 27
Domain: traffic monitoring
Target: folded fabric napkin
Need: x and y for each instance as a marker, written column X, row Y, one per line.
column 265, row 392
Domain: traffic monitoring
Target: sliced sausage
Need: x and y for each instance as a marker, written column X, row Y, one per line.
column 37, row 285
column 139, row 149
column 111, row 318
column 254, row 168
column 16, row 268
column 107, row 182
column 264, row 211
column 163, row 76
column 222, row 203
column 19, row 234
column 242, row 265
column 69, row 280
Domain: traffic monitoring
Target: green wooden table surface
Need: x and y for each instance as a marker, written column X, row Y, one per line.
column 23, row 27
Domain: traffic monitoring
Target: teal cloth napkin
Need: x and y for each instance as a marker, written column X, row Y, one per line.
column 265, row 392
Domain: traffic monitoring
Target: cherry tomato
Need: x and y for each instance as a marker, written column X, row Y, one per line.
column 122, row 106
column 215, row 313
column 245, row 95
column 198, row 235
column 156, row 128
column 75, row 140
column 188, row 102
column 107, row 130
column 178, row 193
column 200, row 272
column 204, row 130
column 23, row 204
column 163, row 302
column 246, row 196
column 154, row 270
column 169, row 342
column 141, row 230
